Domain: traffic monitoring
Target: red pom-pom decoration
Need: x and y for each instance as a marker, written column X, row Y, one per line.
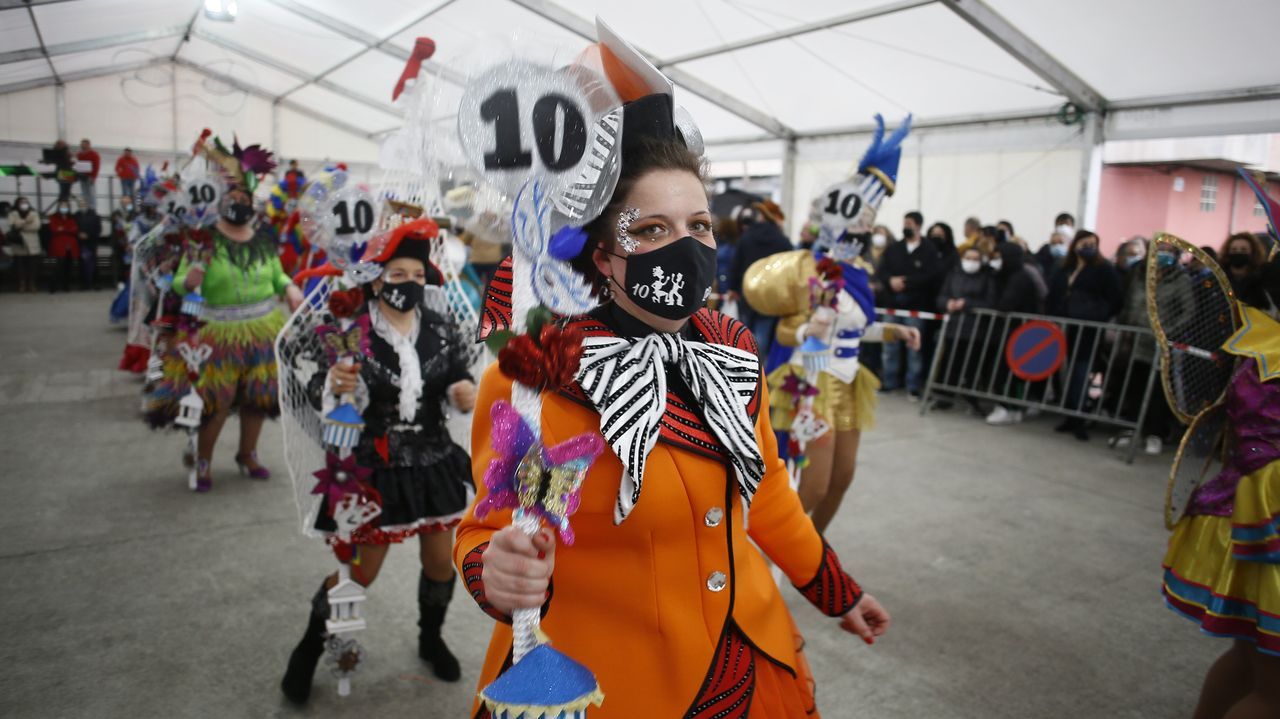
column 522, row 361
column 345, row 304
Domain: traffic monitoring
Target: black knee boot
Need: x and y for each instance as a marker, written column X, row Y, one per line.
column 433, row 602
column 296, row 684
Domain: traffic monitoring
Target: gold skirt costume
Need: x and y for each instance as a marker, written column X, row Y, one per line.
column 845, row 405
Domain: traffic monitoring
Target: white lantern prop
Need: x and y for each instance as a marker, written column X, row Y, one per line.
column 190, row 410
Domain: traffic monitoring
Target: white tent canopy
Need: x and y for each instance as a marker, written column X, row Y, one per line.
column 793, row 83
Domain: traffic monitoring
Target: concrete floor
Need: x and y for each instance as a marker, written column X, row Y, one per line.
column 1021, row 568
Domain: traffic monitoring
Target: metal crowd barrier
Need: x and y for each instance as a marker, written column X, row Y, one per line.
column 1106, row 375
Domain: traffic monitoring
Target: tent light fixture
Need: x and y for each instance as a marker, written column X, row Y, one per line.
column 220, row 10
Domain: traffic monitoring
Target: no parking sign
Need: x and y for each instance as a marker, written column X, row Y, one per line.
column 1036, row 350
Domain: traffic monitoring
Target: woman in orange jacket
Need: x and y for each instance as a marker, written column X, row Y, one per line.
column 666, row 593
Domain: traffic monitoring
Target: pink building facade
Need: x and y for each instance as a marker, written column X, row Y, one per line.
column 1200, row 205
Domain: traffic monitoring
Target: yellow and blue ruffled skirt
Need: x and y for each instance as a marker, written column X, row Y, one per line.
column 1224, row 572
column 239, row 374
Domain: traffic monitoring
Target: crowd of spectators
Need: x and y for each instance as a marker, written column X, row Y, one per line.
column 933, row 273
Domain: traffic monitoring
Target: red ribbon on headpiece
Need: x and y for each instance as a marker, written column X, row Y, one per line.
column 423, row 49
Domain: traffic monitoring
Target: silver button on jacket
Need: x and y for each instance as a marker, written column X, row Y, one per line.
column 716, row 581
column 713, row 517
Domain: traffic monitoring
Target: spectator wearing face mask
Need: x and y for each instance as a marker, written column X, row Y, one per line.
column 944, row 239
column 760, row 239
column 881, row 237
column 1086, row 287
column 1129, row 254
column 911, row 271
column 64, row 244
column 968, row 286
column 23, row 242
column 88, row 233
column 1052, row 254
column 871, row 355
column 1006, row 227
column 1141, row 352
column 1019, row 288
column 1242, row 257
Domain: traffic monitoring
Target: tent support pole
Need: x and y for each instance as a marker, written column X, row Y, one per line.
column 275, row 124
column 1090, row 170
column 789, row 185
column 173, row 104
column 60, row 109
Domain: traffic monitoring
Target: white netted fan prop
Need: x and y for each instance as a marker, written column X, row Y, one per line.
column 144, row 274
column 300, row 353
column 299, row 350
column 411, row 178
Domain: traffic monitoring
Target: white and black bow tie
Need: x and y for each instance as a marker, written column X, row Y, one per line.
column 626, row 382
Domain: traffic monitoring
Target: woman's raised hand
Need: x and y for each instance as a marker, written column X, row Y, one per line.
column 517, row 568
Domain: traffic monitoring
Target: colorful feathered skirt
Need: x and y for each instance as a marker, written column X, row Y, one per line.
column 1223, row 572
column 238, row 373
column 844, row 405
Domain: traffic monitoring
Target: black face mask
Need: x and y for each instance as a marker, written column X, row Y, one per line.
column 672, row 282
column 402, row 296
column 1238, row 260
column 908, row 234
column 238, row 213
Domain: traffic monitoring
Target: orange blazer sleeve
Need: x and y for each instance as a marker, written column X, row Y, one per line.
column 778, row 524
column 473, row 534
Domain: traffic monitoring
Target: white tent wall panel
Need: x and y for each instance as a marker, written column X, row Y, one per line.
column 29, row 116
column 282, row 36
column 231, row 115
column 122, row 110
column 1139, row 48
column 948, row 183
column 65, row 22
column 16, row 30
column 472, row 30
column 15, row 72
column 237, row 67
column 691, row 27
column 131, row 54
column 372, row 75
column 377, row 17
column 926, row 61
column 304, row 138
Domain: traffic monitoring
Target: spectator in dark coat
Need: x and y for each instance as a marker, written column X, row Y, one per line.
column 911, row 271
column 89, row 232
column 967, row 287
column 1244, row 258
column 945, row 240
column 1087, row 287
column 1019, row 288
column 759, row 240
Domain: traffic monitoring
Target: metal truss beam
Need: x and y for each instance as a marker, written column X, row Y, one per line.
column 97, row 43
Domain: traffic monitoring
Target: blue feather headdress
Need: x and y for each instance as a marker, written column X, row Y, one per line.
column 881, row 160
column 149, row 180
